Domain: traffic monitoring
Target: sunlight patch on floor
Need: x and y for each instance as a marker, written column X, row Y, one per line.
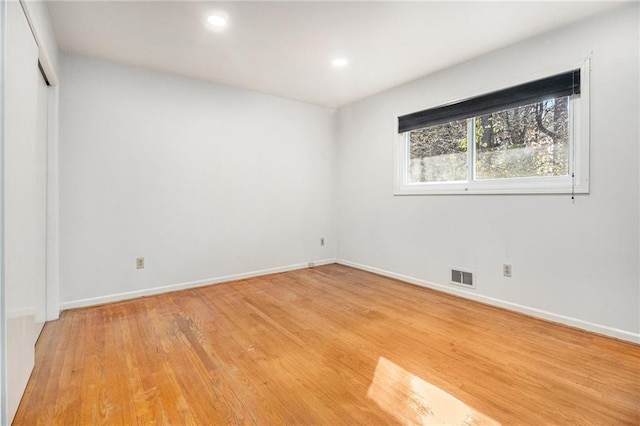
column 413, row 401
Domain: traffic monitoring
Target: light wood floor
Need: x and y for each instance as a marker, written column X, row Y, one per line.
column 330, row 345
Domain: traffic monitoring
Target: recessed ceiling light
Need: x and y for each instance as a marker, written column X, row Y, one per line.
column 339, row 63
column 217, row 21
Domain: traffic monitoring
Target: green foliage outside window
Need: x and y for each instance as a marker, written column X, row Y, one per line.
column 527, row 141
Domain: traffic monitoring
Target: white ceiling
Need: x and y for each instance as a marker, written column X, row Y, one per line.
column 285, row 48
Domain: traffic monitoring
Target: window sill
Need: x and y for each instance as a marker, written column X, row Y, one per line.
column 488, row 187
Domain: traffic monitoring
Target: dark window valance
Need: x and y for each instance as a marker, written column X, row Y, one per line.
column 536, row 91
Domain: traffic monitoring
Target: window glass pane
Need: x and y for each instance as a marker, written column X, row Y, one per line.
column 527, row 141
column 438, row 153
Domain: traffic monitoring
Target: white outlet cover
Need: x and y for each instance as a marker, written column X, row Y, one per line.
column 506, row 270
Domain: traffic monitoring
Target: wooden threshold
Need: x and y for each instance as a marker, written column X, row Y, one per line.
column 330, row 345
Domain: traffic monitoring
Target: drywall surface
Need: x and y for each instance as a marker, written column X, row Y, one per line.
column 576, row 262
column 202, row 180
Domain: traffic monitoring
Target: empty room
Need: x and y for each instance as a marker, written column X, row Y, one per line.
column 320, row 212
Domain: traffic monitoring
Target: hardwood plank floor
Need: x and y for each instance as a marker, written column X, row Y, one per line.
column 330, row 345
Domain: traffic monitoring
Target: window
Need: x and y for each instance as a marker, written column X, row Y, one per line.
column 528, row 138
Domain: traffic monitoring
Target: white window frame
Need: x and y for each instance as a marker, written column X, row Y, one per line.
column 577, row 182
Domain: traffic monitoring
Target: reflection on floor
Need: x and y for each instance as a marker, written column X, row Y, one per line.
column 412, row 400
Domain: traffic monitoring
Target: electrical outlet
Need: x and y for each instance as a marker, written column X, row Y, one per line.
column 322, row 241
column 506, row 270
column 140, row 263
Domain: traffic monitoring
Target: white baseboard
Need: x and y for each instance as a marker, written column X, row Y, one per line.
column 538, row 313
column 181, row 286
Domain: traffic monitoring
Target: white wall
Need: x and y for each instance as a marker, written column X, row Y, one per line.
column 638, row 124
column 572, row 262
column 204, row 181
column 3, row 339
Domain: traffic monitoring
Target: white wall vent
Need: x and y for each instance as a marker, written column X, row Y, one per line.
column 463, row 277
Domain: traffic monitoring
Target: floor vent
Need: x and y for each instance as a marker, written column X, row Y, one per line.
column 462, row 277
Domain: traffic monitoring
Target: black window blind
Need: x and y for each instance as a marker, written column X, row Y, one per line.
column 536, row 91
